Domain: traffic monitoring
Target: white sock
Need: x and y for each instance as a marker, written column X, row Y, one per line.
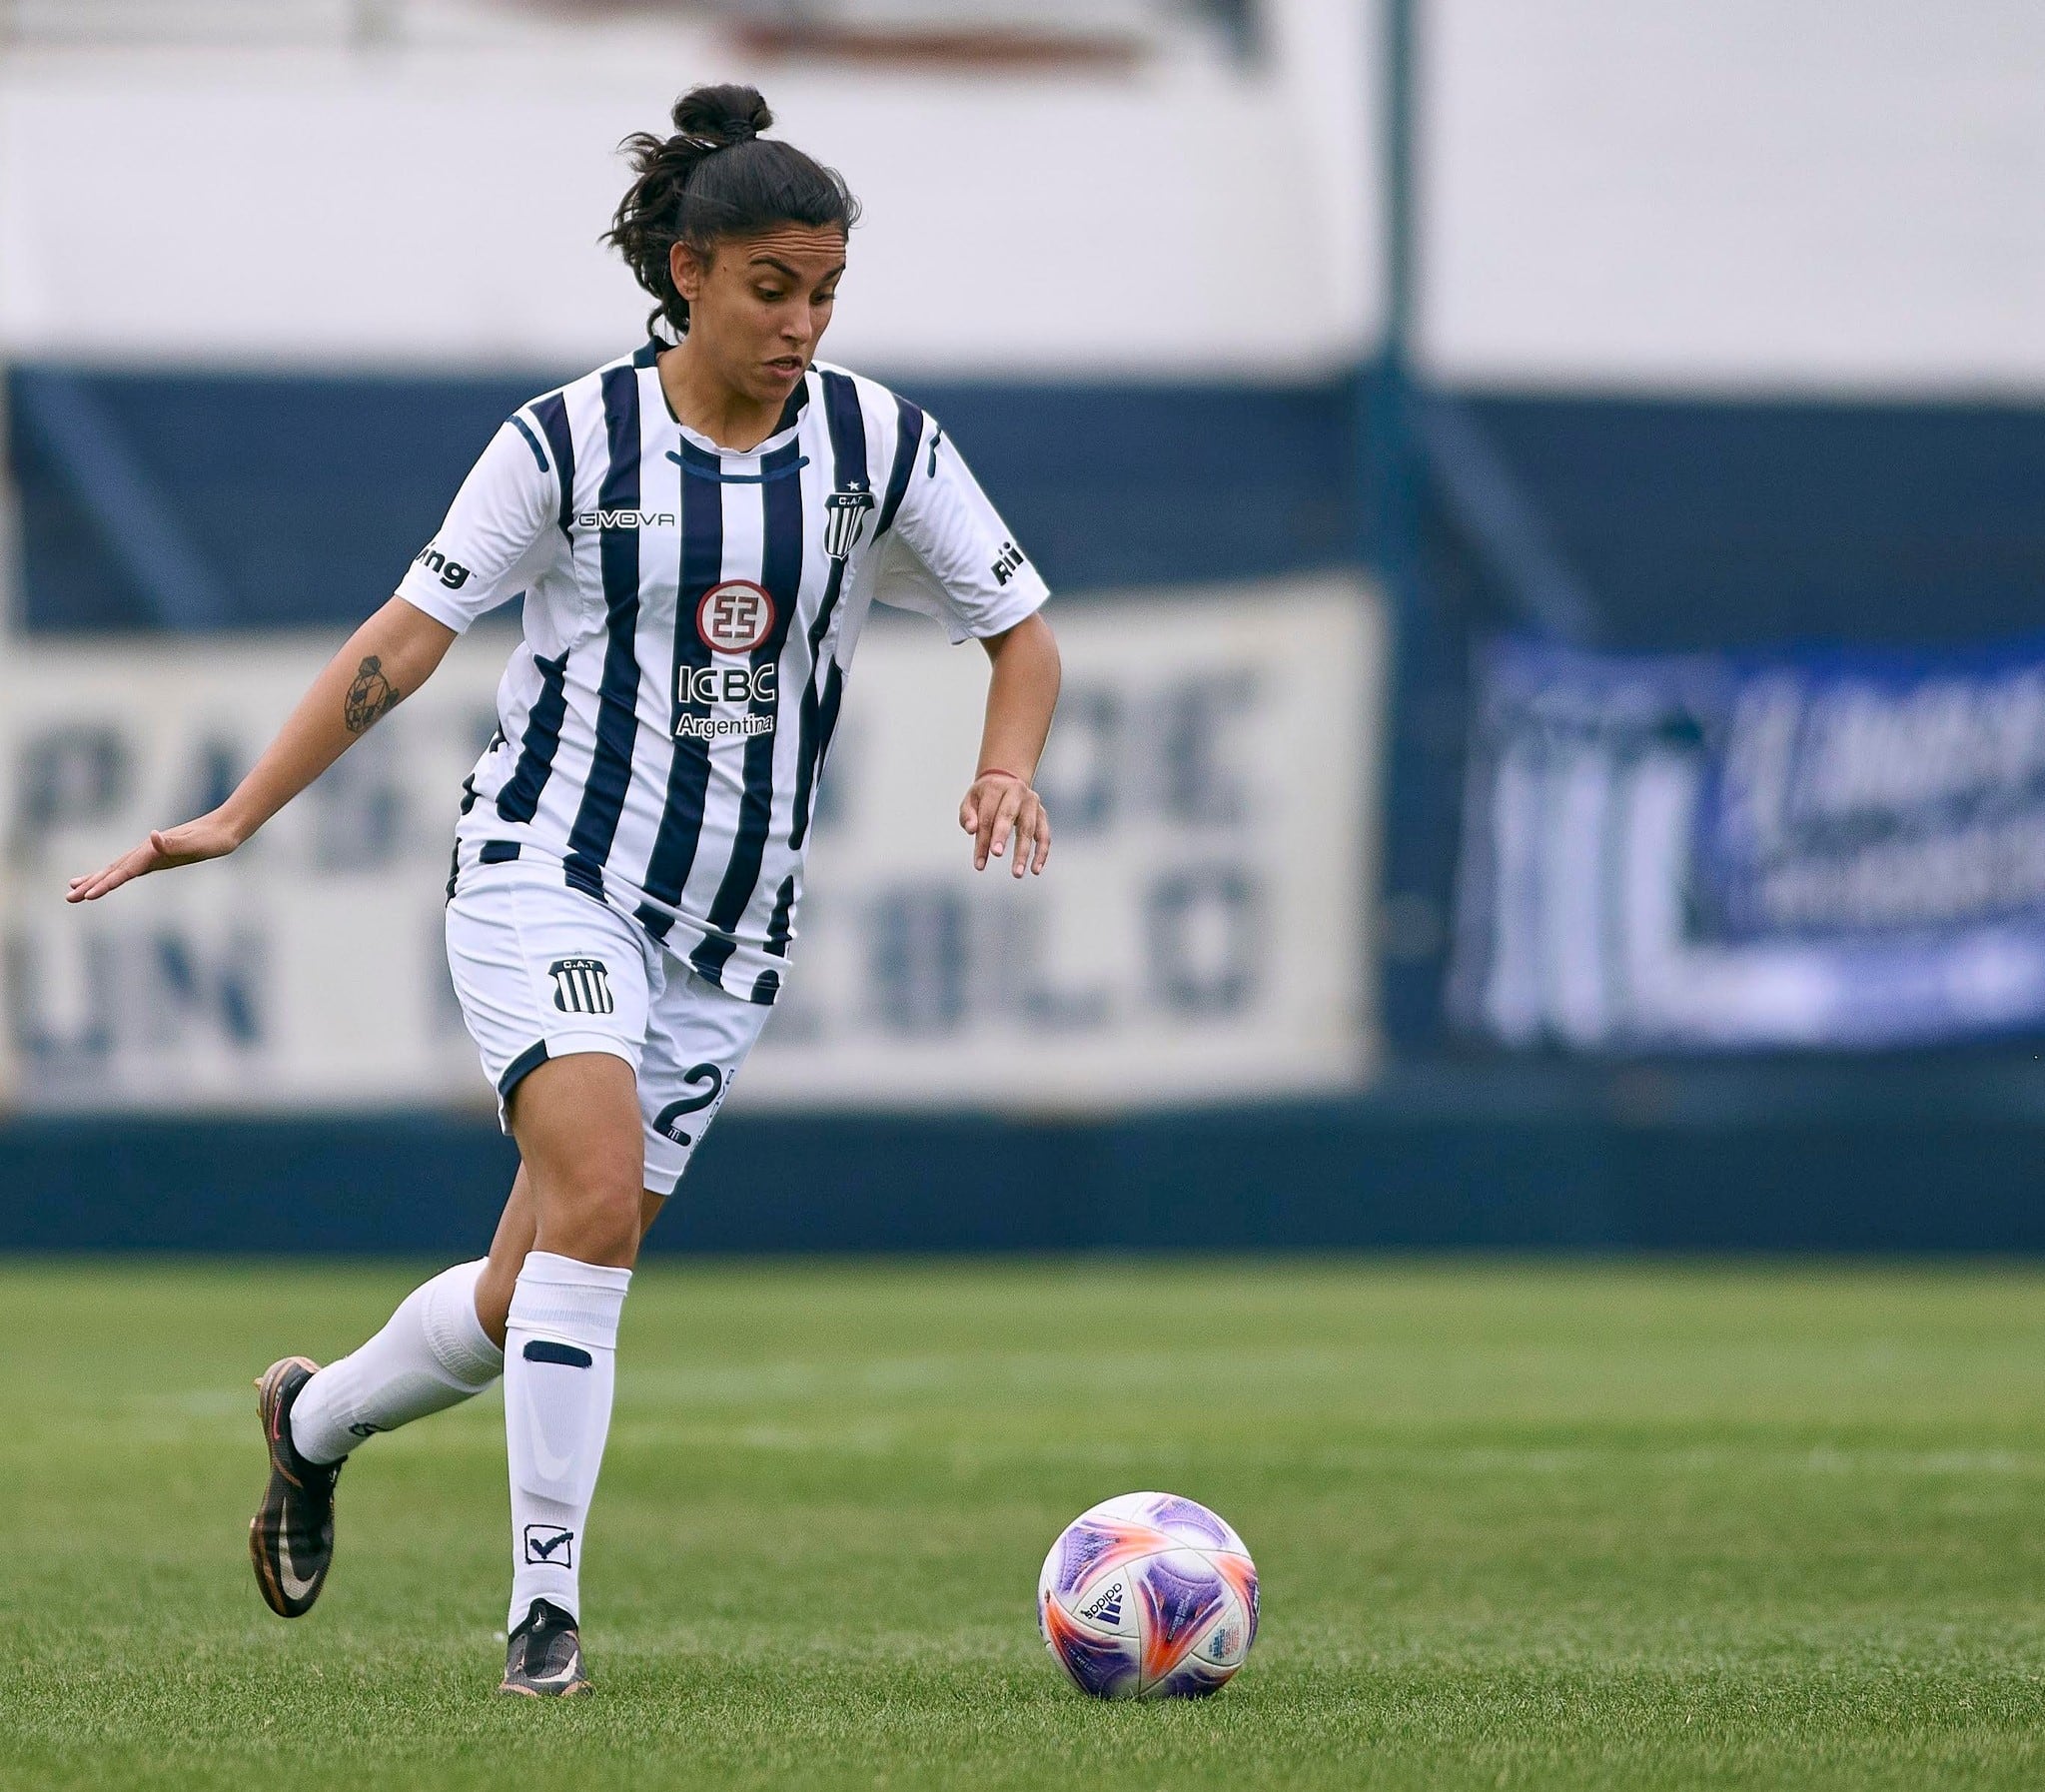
column 432, row 1353
column 561, row 1355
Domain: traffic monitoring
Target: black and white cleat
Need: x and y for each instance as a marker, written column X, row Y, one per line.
column 544, row 1657
column 290, row 1537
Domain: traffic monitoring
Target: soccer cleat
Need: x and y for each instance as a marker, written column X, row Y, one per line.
column 544, row 1657
column 290, row 1537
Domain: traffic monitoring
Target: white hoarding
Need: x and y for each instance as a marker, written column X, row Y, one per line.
column 1200, row 933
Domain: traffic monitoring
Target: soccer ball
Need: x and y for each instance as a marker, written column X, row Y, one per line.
column 1148, row 1596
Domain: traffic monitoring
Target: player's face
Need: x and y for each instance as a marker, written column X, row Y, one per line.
column 761, row 304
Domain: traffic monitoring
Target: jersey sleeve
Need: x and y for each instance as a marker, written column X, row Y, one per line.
column 498, row 534
column 953, row 558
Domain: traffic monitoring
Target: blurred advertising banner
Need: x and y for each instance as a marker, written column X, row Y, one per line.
column 1820, row 849
column 1200, row 933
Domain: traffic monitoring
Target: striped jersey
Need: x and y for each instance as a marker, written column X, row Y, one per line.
column 691, row 616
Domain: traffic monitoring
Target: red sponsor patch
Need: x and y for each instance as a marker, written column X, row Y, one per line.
column 735, row 617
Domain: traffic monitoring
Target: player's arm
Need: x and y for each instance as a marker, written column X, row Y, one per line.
column 388, row 658
column 965, row 570
column 1022, row 691
column 497, row 536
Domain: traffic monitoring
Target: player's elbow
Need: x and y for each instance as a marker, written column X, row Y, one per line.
column 408, row 642
column 1028, row 645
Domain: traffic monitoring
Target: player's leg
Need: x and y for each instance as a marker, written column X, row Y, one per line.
column 518, row 1227
column 577, row 1120
column 432, row 1353
column 444, row 1344
column 542, row 972
column 555, row 989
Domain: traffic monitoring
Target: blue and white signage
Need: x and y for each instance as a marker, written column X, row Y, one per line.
column 1816, row 849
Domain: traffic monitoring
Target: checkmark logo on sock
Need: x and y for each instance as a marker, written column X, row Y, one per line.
column 551, row 1546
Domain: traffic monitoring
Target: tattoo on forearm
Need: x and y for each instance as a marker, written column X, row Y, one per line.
column 370, row 695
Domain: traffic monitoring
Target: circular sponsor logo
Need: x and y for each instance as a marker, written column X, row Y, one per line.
column 735, row 617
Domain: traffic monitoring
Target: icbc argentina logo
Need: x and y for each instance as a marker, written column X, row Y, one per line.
column 735, row 617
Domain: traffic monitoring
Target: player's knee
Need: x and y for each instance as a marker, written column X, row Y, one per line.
column 592, row 1213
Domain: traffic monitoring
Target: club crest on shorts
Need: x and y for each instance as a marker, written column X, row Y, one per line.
column 844, row 519
column 582, row 986
column 735, row 617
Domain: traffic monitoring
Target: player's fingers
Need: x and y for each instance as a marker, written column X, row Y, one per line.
column 1026, row 820
column 983, row 829
column 970, row 816
column 1004, row 818
column 90, row 889
column 1043, row 841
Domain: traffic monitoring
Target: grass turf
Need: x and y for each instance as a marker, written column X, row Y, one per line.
column 1525, row 1526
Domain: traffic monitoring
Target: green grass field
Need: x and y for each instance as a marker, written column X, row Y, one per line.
column 1525, row 1526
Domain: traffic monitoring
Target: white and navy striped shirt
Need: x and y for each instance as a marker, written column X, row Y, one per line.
column 691, row 616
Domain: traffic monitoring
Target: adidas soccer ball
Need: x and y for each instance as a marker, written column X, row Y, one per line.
column 1148, row 1596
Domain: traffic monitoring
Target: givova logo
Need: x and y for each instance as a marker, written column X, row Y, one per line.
column 624, row 518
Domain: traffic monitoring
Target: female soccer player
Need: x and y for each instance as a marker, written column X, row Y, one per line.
column 698, row 531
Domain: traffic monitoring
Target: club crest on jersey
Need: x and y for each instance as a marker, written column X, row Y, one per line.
column 844, row 519
column 582, row 986
column 735, row 617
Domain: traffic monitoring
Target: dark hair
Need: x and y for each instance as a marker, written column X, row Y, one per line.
column 716, row 176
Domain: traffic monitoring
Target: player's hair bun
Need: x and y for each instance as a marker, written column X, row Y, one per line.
column 722, row 116
column 716, row 176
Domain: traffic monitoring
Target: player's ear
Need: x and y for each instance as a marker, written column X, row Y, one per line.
column 686, row 269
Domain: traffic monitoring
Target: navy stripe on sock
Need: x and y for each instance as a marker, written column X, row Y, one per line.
column 545, row 1350
column 617, row 697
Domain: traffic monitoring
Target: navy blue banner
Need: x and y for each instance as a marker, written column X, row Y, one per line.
column 1808, row 848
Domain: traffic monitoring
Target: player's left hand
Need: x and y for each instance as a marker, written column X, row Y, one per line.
column 210, row 837
column 999, row 808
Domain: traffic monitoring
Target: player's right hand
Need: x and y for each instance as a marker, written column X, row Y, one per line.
column 210, row 837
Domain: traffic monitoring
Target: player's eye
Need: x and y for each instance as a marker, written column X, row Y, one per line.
column 770, row 293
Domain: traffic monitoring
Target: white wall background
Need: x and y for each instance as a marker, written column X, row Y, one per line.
column 1750, row 194
column 1199, row 933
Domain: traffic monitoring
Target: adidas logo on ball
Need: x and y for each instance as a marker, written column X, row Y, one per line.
column 1106, row 1608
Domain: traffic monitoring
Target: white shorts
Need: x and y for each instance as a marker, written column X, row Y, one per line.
column 542, row 971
